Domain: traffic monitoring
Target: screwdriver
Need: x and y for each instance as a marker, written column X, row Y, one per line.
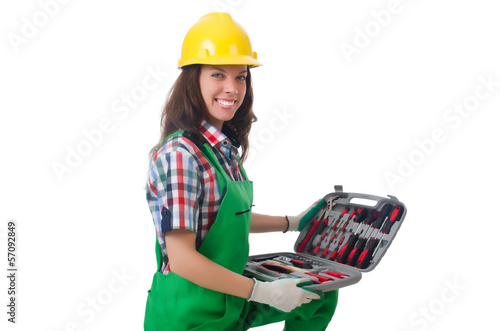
column 365, row 257
column 372, row 245
column 397, row 213
column 334, row 231
column 395, row 217
column 335, row 251
column 346, row 210
column 314, row 225
column 319, row 229
column 353, row 238
column 360, row 215
column 334, row 227
column 327, row 248
column 316, row 250
column 384, row 213
column 348, row 220
column 360, row 245
column 336, row 274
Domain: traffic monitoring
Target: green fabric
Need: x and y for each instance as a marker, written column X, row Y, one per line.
column 313, row 316
column 310, row 214
column 175, row 303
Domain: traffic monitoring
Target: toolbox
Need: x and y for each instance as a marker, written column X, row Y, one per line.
column 348, row 234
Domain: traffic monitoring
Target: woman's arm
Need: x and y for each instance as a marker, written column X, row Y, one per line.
column 266, row 223
column 187, row 262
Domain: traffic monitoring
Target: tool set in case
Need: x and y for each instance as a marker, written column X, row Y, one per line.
column 344, row 238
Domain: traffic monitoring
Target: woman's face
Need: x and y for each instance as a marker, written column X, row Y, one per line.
column 223, row 88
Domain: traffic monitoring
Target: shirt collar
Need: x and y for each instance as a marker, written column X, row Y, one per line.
column 214, row 136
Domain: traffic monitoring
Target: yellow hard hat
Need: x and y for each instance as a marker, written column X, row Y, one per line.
column 217, row 39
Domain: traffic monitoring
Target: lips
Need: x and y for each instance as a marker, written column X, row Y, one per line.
column 225, row 102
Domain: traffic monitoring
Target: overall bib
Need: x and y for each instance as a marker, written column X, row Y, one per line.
column 176, row 304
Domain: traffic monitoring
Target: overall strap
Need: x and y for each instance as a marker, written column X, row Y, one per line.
column 243, row 172
column 207, row 152
column 158, row 255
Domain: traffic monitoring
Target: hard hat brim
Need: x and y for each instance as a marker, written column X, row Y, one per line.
column 221, row 60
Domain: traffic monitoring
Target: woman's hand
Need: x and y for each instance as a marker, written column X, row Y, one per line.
column 295, row 220
column 282, row 294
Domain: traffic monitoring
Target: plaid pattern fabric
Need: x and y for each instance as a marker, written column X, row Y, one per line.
column 182, row 187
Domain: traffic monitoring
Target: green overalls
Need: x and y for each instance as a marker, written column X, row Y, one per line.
column 176, row 304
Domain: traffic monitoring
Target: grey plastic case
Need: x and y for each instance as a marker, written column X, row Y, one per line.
column 329, row 223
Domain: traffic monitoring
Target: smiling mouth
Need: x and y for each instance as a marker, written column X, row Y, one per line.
column 225, row 102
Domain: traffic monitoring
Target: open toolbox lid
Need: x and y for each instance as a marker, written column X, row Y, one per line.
column 353, row 225
column 321, row 242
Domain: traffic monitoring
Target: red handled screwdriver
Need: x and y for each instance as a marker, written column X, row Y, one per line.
column 335, row 251
column 346, row 210
column 348, row 220
column 319, row 229
column 379, row 222
column 336, row 274
column 334, row 230
column 365, row 257
column 314, row 225
column 316, row 250
column 353, row 238
column 372, row 245
column 360, row 245
column 396, row 215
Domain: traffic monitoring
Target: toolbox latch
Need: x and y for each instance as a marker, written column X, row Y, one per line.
column 393, row 197
column 339, row 189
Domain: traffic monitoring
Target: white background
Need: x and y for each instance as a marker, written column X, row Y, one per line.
column 325, row 118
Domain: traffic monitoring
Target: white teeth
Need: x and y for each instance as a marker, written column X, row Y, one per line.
column 226, row 103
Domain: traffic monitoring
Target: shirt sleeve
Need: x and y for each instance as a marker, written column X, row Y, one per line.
column 178, row 189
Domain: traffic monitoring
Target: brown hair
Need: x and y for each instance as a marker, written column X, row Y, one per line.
column 185, row 109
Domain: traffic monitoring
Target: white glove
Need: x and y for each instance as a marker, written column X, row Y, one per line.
column 282, row 294
column 294, row 221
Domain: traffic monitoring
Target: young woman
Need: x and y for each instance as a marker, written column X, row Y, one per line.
column 201, row 199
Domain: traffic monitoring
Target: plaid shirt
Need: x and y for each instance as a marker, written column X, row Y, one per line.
column 182, row 187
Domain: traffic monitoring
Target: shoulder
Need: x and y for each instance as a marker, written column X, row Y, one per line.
column 178, row 146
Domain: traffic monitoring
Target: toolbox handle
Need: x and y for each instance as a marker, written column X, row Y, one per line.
column 361, row 199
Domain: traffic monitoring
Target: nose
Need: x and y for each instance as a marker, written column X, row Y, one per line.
column 230, row 87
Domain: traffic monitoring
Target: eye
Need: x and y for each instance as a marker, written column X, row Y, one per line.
column 242, row 78
column 217, row 75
